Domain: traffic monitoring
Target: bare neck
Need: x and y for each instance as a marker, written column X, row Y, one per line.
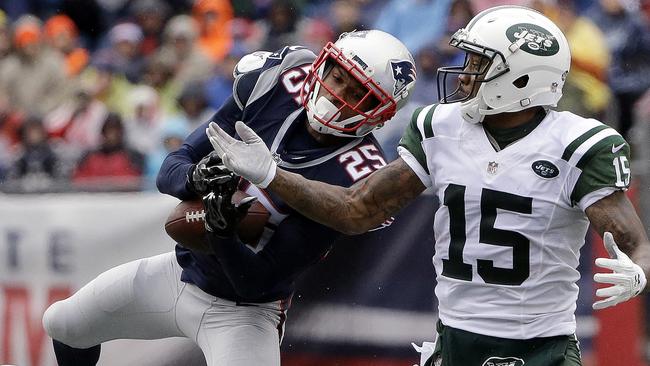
column 510, row 120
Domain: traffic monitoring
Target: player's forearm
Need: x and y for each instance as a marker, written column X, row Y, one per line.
column 352, row 210
column 334, row 206
column 172, row 177
column 617, row 215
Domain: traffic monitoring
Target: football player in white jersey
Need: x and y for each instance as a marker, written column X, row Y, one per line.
column 518, row 185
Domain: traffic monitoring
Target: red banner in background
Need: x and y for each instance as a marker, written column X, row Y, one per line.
column 19, row 301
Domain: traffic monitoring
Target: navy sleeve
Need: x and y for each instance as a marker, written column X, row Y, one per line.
column 243, row 87
column 297, row 244
column 172, row 176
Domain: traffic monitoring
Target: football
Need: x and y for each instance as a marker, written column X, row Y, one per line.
column 186, row 223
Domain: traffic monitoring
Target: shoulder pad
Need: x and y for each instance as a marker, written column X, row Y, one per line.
column 252, row 61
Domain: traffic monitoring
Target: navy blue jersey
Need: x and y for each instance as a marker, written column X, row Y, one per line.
column 266, row 96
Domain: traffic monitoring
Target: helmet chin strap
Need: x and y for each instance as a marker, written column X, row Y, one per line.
column 326, row 110
column 471, row 111
column 323, row 109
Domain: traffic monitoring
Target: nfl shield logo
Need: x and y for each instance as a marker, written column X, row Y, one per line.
column 492, row 167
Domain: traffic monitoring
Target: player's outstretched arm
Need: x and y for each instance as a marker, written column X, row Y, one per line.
column 352, row 210
column 615, row 219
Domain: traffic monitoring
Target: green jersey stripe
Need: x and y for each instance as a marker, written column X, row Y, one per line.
column 587, row 145
column 609, row 140
column 428, row 128
column 422, row 117
column 412, row 138
column 414, row 118
column 568, row 152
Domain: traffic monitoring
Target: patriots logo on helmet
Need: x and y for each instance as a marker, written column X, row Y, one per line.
column 403, row 73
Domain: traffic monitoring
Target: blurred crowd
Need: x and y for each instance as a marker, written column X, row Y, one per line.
column 95, row 93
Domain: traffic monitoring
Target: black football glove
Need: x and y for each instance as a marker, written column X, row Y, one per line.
column 208, row 174
column 221, row 215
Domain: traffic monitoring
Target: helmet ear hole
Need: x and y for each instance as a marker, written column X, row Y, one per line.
column 521, row 82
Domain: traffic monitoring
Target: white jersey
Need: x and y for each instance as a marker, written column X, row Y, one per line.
column 511, row 222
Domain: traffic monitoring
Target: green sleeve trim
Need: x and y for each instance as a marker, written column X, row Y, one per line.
column 428, row 128
column 606, row 142
column 412, row 140
column 573, row 146
column 603, row 169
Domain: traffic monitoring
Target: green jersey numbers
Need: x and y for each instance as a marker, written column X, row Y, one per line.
column 491, row 200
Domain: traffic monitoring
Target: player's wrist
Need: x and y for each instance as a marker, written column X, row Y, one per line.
column 642, row 280
column 189, row 181
column 269, row 176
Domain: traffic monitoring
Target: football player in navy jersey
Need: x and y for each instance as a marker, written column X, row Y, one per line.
column 315, row 115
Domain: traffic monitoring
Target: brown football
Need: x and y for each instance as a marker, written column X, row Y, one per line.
column 186, row 223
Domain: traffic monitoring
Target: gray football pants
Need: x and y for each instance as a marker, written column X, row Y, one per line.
column 145, row 299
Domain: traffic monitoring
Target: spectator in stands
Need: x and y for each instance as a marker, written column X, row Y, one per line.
column 151, row 16
column 159, row 74
column 219, row 86
column 8, row 136
column 460, row 13
column 428, row 61
column 213, row 17
column 10, row 121
column 107, row 86
column 28, row 76
column 315, row 33
column 345, row 16
column 61, row 35
column 190, row 63
column 5, row 39
column 112, row 166
column 123, row 55
column 78, row 121
column 586, row 91
column 37, row 166
column 415, row 22
column 247, row 35
column 172, row 136
column 629, row 71
column 279, row 26
column 194, row 109
column 143, row 122
column 89, row 17
column 645, row 10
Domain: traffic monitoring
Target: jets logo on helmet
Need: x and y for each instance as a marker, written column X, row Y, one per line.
column 537, row 40
column 403, row 73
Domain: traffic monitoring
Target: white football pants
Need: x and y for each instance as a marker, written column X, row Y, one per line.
column 145, row 299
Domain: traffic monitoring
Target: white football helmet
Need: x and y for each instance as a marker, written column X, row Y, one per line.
column 380, row 62
column 525, row 56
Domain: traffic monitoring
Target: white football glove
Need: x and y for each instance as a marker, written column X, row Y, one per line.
column 627, row 278
column 249, row 158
